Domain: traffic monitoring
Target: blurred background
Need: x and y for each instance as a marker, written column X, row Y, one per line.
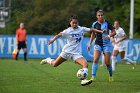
column 49, row 17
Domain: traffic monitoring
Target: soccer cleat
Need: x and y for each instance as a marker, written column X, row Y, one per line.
column 93, row 78
column 128, row 63
column 86, row 82
column 134, row 65
column 111, row 79
column 45, row 61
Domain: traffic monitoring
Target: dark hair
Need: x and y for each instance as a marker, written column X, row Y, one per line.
column 117, row 21
column 72, row 17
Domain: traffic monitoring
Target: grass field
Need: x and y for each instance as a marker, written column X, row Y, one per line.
column 31, row 77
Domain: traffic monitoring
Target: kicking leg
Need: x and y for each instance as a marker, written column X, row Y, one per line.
column 82, row 61
column 54, row 62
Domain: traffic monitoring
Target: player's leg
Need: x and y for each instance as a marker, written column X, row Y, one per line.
column 25, row 54
column 103, row 62
column 82, row 61
column 97, row 54
column 18, row 49
column 108, row 65
column 53, row 62
column 122, row 55
column 25, row 51
column 114, row 59
column 107, row 54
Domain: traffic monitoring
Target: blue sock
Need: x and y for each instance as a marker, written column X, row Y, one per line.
column 109, row 68
column 94, row 69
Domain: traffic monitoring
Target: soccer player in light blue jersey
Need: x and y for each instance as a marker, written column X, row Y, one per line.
column 72, row 50
column 102, row 43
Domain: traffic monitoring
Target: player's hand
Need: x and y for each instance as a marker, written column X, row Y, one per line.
column 117, row 42
column 50, row 41
column 88, row 47
column 104, row 31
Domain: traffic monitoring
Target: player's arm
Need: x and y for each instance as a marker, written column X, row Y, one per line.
column 17, row 37
column 122, row 38
column 97, row 31
column 54, row 38
column 112, row 33
column 91, row 40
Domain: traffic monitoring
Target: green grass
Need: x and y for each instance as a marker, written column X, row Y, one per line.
column 31, row 77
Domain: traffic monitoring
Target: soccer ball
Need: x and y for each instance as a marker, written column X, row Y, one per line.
column 82, row 74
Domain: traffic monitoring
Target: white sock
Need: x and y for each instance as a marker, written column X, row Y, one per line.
column 50, row 61
column 127, row 59
column 86, row 70
column 114, row 60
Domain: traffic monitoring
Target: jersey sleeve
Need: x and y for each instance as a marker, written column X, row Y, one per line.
column 110, row 26
column 64, row 33
column 93, row 25
column 122, row 32
column 85, row 29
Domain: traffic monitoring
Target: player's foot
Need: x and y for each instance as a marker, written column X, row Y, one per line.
column 45, row 61
column 128, row 63
column 93, row 78
column 111, row 79
column 134, row 65
column 101, row 65
column 86, row 82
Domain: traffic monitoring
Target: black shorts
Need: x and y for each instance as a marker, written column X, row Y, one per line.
column 21, row 45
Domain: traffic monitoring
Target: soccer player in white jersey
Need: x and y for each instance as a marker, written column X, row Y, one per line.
column 119, row 46
column 72, row 50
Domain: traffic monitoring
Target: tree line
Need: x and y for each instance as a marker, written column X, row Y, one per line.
column 49, row 17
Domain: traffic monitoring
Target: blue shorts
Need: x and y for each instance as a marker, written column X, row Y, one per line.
column 103, row 48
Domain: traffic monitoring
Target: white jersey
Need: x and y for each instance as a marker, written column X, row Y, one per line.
column 119, row 33
column 74, row 38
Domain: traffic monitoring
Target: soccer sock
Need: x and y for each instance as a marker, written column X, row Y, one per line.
column 50, row 61
column 94, row 69
column 114, row 60
column 127, row 59
column 17, row 55
column 86, row 69
column 103, row 63
column 25, row 56
column 109, row 68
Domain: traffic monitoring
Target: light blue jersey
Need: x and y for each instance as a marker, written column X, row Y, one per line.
column 101, row 43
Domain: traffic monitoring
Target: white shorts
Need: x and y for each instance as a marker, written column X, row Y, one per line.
column 119, row 48
column 70, row 56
